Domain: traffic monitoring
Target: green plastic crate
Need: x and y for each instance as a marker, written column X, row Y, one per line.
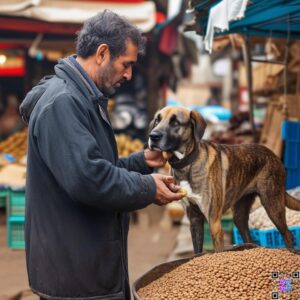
column 15, row 232
column 4, row 194
column 16, row 206
column 207, row 241
column 227, row 223
column 227, row 226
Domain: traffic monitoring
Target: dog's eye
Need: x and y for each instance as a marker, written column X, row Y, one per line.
column 174, row 122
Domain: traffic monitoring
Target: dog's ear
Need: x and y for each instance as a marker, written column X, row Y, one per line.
column 198, row 123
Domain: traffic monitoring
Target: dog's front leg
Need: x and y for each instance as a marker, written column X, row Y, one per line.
column 217, row 233
column 196, row 226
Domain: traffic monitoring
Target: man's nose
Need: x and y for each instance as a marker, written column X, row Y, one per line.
column 128, row 73
column 155, row 136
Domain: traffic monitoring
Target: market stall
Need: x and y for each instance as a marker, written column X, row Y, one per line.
column 266, row 33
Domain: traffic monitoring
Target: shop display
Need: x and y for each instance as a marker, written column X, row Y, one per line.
column 254, row 274
column 128, row 117
column 127, row 145
column 260, row 220
column 254, row 99
column 15, row 145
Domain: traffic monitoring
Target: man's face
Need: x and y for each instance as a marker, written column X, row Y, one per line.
column 112, row 73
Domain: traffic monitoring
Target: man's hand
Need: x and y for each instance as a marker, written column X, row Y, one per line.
column 166, row 190
column 154, row 159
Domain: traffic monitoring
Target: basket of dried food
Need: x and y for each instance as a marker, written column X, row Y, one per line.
column 241, row 272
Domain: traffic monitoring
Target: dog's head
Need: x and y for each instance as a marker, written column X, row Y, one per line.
column 173, row 127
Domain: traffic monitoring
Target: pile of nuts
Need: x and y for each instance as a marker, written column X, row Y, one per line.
column 16, row 144
column 259, row 218
column 127, row 145
column 242, row 275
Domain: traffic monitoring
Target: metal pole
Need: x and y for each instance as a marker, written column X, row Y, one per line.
column 247, row 61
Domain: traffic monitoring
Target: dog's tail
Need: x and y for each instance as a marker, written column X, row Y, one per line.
column 292, row 202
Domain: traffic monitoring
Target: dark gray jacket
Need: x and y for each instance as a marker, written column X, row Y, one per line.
column 78, row 193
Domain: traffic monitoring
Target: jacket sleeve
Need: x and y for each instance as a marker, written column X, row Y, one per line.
column 71, row 153
column 135, row 162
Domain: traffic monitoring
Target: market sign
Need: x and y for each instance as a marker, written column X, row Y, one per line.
column 12, row 62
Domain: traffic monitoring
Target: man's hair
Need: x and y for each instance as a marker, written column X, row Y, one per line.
column 111, row 29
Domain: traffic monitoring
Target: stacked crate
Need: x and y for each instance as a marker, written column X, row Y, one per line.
column 15, row 219
column 270, row 238
column 4, row 195
column 290, row 132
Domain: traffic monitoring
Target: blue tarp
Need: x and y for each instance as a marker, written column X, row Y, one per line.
column 212, row 112
column 273, row 18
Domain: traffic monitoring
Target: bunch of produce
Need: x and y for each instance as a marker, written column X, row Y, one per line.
column 259, row 218
column 15, row 145
column 127, row 145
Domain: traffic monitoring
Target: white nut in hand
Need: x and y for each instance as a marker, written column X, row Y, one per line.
column 183, row 192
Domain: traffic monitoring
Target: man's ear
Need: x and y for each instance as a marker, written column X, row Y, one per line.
column 198, row 123
column 102, row 53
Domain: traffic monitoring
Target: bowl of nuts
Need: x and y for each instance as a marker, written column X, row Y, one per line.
column 241, row 272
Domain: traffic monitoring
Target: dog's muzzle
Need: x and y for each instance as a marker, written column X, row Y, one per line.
column 155, row 136
column 154, row 139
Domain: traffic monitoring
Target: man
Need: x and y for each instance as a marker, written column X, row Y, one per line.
column 78, row 192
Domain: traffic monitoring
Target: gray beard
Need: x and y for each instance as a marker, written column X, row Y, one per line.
column 108, row 91
column 107, row 74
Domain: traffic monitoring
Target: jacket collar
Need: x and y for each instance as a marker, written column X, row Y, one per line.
column 72, row 69
column 87, row 79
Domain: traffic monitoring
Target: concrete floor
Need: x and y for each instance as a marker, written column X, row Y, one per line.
column 151, row 242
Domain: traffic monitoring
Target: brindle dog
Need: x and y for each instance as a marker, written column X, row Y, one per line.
column 219, row 177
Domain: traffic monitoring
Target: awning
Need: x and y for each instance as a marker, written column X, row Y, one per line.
column 271, row 18
column 141, row 13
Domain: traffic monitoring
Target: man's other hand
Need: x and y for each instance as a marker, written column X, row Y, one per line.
column 166, row 190
column 154, row 159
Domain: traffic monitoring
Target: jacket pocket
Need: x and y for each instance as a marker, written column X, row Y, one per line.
column 108, row 270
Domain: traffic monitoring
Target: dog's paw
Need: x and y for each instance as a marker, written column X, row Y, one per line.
column 186, row 187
